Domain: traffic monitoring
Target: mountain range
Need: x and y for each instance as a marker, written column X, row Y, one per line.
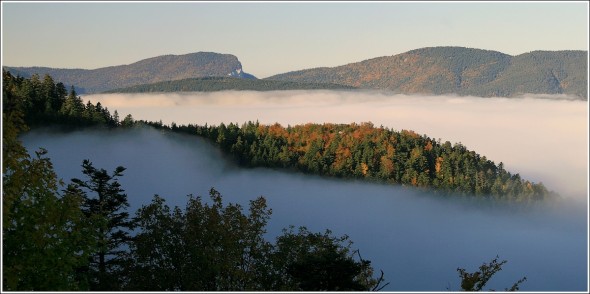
column 432, row 70
column 458, row 70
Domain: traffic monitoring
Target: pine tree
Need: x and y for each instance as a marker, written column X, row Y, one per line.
column 105, row 207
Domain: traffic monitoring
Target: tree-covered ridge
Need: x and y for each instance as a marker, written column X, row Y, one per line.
column 363, row 151
column 543, row 72
column 151, row 70
column 44, row 102
column 458, row 70
column 211, row 84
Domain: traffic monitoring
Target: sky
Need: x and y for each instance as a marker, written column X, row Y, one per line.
column 278, row 37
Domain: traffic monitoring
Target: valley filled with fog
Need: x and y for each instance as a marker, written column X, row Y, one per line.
column 418, row 240
column 541, row 137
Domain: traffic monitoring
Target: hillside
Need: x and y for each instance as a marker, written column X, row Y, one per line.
column 458, row 70
column 433, row 70
column 211, row 84
column 366, row 152
column 151, row 70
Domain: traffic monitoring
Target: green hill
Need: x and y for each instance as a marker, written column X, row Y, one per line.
column 541, row 72
column 211, row 84
column 458, row 70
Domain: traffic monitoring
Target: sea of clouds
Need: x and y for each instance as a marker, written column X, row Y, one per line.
column 542, row 137
column 417, row 239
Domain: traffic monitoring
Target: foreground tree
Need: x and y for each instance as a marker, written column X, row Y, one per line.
column 215, row 247
column 477, row 280
column 206, row 247
column 160, row 231
column 44, row 233
column 306, row 261
column 104, row 205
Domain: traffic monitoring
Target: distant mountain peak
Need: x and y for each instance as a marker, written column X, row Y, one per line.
column 150, row 70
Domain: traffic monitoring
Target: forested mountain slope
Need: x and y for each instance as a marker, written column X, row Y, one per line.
column 363, row 151
column 458, row 70
column 211, row 84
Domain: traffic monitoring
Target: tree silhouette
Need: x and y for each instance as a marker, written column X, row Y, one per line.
column 104, row 204
column 477, row 280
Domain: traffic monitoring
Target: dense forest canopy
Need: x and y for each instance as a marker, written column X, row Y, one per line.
column 211, row 84
column 363, row 151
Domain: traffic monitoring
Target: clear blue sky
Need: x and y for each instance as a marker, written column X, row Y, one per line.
column 272, row 38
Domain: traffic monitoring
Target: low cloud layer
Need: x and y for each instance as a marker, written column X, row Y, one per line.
column 542, row 137
column 416, row 239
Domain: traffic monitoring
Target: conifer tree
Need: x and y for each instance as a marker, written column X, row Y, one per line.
column 104, row 204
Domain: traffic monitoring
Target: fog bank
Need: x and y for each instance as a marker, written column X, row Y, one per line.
column 542, row 137
column 416, row 239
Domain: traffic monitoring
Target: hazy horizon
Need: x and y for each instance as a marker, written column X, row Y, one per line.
column 273, row 38
column 296, row 69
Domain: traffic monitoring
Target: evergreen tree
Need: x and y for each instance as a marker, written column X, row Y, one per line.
column 104, row 204
column 128, row 121
column 72, row 108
